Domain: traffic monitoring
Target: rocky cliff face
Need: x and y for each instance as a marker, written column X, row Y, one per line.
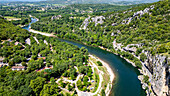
column 137, row 14
column 55, row 17
column 155, row 67
column 96, row 20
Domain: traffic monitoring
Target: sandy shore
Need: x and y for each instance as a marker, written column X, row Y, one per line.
column 42, row 33
column 112, row 75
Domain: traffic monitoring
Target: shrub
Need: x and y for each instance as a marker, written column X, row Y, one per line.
column 11, row 63
column 138, row 64
column 103, row 93
column 162, row 48
column 146, row 79
column 143, row 57
column 99, row 63
column 24, row 64
column 138, row 51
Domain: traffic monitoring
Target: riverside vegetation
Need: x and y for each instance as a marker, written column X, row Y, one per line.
column 52, row 67
column 59, row 55
column 139, row 34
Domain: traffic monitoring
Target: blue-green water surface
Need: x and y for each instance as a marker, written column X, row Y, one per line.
column 126, row 82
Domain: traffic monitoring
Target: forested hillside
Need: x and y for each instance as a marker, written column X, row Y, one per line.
column 140, row 35
column 123, row 2
column 44, row 58
column 18, row 13
column 150, row 28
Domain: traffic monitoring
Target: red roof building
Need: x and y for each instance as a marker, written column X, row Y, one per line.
column 18, row 68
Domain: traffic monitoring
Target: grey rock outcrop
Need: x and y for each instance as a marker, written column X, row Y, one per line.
column 28, row 41
column 114, row 24
column 155, row 67
column 55, row 17
column 131, row 47
column 138, row 13
column 85, row 23
column 96, row 20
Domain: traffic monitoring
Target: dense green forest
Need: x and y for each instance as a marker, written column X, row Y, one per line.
column 151, row 29
column 36, row 52
column 122, row 2
column 23, row 10
column 146, row 25
column 60, row 55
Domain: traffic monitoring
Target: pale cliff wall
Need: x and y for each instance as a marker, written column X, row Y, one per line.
column 156, row 68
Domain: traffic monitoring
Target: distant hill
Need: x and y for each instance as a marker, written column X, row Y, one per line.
column 119, row 2
column 6, row 1
column 116, row 2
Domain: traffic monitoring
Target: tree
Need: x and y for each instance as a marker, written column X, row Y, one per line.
column 103, row 92
column 52, row 80
column 143, row 57
column 17, row 59
column 69, row 87
column 99, row 63
column 79, row 85
column 37, row 84
column 11, row 63
column 49, row 90
column 145, row 79
column 84, row 50
column 73, row 73
column 162, row 48
column 85, row 80
column 89, row 72
column 138, row 51
column 75, row 92
column 138, row 64
column 24, row 64
column 83, row 69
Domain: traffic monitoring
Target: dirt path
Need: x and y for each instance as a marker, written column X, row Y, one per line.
column 100, row 77
column 80, row 93
column 112, row 76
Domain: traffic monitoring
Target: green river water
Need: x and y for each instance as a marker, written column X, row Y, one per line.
column 126, row 82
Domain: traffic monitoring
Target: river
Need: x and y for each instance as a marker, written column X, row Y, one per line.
column 126, row 82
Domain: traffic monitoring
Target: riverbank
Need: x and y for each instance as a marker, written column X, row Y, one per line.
column 120, row 74
column 42, row 33
column 52, row 35
column 112, row 76
column 109, row 70
column 23, row 25
column 34, row 17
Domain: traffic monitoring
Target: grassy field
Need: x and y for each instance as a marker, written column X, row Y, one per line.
column 96, row 75
column 39, row 10
column 10, row 18
column 106, row 75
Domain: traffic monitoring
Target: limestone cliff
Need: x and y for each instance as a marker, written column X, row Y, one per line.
column 155, row 67
column 155, row 72
column 96, row 20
